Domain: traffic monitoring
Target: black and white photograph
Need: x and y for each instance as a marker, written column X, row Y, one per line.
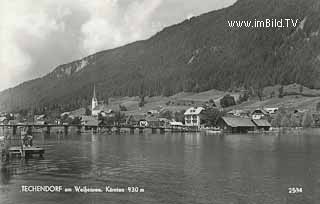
column 159, row 101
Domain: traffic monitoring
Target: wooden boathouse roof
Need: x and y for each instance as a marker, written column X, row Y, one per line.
column 238, row 122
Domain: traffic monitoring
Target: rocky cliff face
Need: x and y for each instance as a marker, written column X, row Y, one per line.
column 198, row 54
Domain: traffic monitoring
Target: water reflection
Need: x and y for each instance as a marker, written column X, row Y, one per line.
column 173, row 168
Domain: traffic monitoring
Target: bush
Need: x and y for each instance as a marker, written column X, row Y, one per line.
column 210, row 116
column 318, row 107
column 166, row 114
column 281, row 92
column 307, row 120
column 276, row 122
column 227, row 101
column 285, row 122
column 123, row 108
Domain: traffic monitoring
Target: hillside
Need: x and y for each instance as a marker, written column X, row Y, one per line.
column 306, row 99
column 197, row 55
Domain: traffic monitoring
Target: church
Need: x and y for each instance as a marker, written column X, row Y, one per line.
column 95, row 107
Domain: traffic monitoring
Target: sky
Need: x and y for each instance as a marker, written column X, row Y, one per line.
column 38, row 35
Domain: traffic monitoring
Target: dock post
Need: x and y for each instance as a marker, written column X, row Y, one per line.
column 66, row 128
column 132, row 131
column 154, row 131
column 48, row 129
column 141, row 130
column 162, row 130
column 14, row 130
column 29, row 130
column 118, row 130
column 79, row 129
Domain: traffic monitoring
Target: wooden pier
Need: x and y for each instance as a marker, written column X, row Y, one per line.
column 48, row 127
column 24, row 151
column 13, row 145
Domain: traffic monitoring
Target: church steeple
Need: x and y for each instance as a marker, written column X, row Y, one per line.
column 94, row 102
column 94, row 91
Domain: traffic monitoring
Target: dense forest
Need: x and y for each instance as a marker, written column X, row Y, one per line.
column 196, row 55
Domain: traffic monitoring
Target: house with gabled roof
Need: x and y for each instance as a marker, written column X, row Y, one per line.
column 192, row 117
column 259, row 113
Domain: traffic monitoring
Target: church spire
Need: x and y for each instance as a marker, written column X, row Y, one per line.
column 94, row 102
column 94, row 91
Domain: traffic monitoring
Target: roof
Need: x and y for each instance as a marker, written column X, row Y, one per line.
column 87, row 118
column 108, row 111
column 164, row 120
column 40, row 117
column 271, row 109
column 153, row 111
column 238, row 122
column 135, row 118
column 262, row 123
column 78, row 112
column 174, row 123
column 260, row 110
column 194, row 111
column 90, row 121
column 152, row 119
column 13, row 122
column 65, row 113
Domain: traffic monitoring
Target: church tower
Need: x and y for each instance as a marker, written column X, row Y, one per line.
column 94, row 102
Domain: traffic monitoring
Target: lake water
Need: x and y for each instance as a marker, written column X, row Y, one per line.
column 171, row 168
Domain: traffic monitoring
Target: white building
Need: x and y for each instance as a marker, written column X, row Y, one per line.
column 259, row 114
column 192, row 117
column 272, row 110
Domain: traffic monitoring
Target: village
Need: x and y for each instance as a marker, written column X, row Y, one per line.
column 204, row 116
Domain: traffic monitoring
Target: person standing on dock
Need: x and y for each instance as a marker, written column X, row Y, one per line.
column 27, row 140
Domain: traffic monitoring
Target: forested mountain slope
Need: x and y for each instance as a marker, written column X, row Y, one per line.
column 196, row 55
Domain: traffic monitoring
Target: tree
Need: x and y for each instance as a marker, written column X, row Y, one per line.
column 301, row 89
column 88, row 111
column 179, row 116
column 119, row 118
column 259, row 92
column 76, row 121
column 281, row 90
column 227, row 101
column 244, row 97
column 210, row 116
column 285, row 122
column 276, row 122
column 294, row 121
column 142, row 94
column 166, row 114
column 318, row 107
column 272, row 94
column 142, row 102
column 307, row 120
column 122, row 108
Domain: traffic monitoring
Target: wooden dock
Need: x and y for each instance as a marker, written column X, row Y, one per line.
column 47, row 127
column 25, row 151
column 14, row 146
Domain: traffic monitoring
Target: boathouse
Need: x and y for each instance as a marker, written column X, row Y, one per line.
column 262, row 124
column 236, row 124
